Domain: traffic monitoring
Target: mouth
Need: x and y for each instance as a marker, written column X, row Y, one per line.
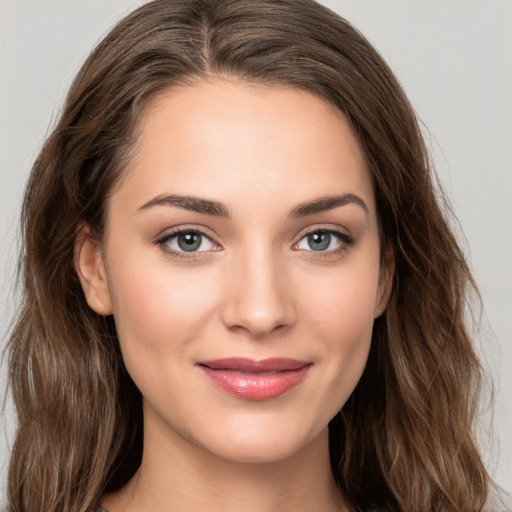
column 255, row 380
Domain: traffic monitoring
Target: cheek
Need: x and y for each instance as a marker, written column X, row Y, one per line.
column 342, row 303
column 346, row 325
column 159, row 309
column 340, row 313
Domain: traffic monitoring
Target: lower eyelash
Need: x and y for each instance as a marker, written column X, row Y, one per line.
column 161, row 242
column 180, row 255
column 345, row 239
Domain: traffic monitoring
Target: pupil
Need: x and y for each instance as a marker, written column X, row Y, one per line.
column 319, row 241
column 189, row 242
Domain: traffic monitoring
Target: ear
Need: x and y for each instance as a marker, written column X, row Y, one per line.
column 387, row 271
column 90, row 267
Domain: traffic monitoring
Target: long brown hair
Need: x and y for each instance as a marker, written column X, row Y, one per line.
column 404, row 440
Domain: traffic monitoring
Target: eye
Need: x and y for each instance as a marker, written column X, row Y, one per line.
column 324, row 241
column 187, row 242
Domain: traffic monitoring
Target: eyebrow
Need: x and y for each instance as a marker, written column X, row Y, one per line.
column 216, row 208
column 327, row 203
column 194, row 204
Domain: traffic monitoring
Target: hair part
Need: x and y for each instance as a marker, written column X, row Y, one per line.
column 405, row 438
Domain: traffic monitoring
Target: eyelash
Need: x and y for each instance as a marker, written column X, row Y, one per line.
column 345, row 240
column 164, row 240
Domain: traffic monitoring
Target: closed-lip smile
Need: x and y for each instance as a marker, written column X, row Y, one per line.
column 251, row 379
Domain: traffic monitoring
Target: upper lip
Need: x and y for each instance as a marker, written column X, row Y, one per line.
column 247, row 365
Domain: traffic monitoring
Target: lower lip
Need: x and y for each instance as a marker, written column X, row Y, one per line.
column 256, row 386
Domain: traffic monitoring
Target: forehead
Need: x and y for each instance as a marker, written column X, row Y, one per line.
column 231, row 140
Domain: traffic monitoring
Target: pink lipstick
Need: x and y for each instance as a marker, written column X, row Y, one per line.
column 255, row 380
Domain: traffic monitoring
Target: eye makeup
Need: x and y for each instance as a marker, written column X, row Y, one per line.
column 191, row 243
column 186, row 242
column 324, row 242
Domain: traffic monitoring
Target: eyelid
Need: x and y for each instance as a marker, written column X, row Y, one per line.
column 346, row 239
column 166, row 235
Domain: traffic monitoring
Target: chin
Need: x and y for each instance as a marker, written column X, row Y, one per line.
column 262, row 442
column 268, row 451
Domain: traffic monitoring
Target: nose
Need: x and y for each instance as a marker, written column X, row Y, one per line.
column 258, row 296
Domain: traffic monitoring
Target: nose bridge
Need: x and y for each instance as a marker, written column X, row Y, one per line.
column 259, row 301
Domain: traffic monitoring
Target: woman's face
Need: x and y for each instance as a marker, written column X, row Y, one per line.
column 241, row 262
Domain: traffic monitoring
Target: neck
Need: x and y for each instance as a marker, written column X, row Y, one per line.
column 177, row 476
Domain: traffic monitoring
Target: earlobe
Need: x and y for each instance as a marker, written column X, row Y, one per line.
column 90, row 267
column 387, row 272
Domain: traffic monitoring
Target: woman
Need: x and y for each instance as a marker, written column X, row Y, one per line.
column 241, row 290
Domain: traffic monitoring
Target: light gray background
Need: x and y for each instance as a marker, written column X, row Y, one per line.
column 454, row 58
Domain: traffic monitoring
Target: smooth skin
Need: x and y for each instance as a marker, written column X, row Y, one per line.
column 278, row 254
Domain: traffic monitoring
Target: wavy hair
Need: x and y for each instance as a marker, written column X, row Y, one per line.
column 405, row 439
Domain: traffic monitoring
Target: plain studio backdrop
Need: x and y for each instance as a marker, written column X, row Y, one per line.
column 454, row 59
